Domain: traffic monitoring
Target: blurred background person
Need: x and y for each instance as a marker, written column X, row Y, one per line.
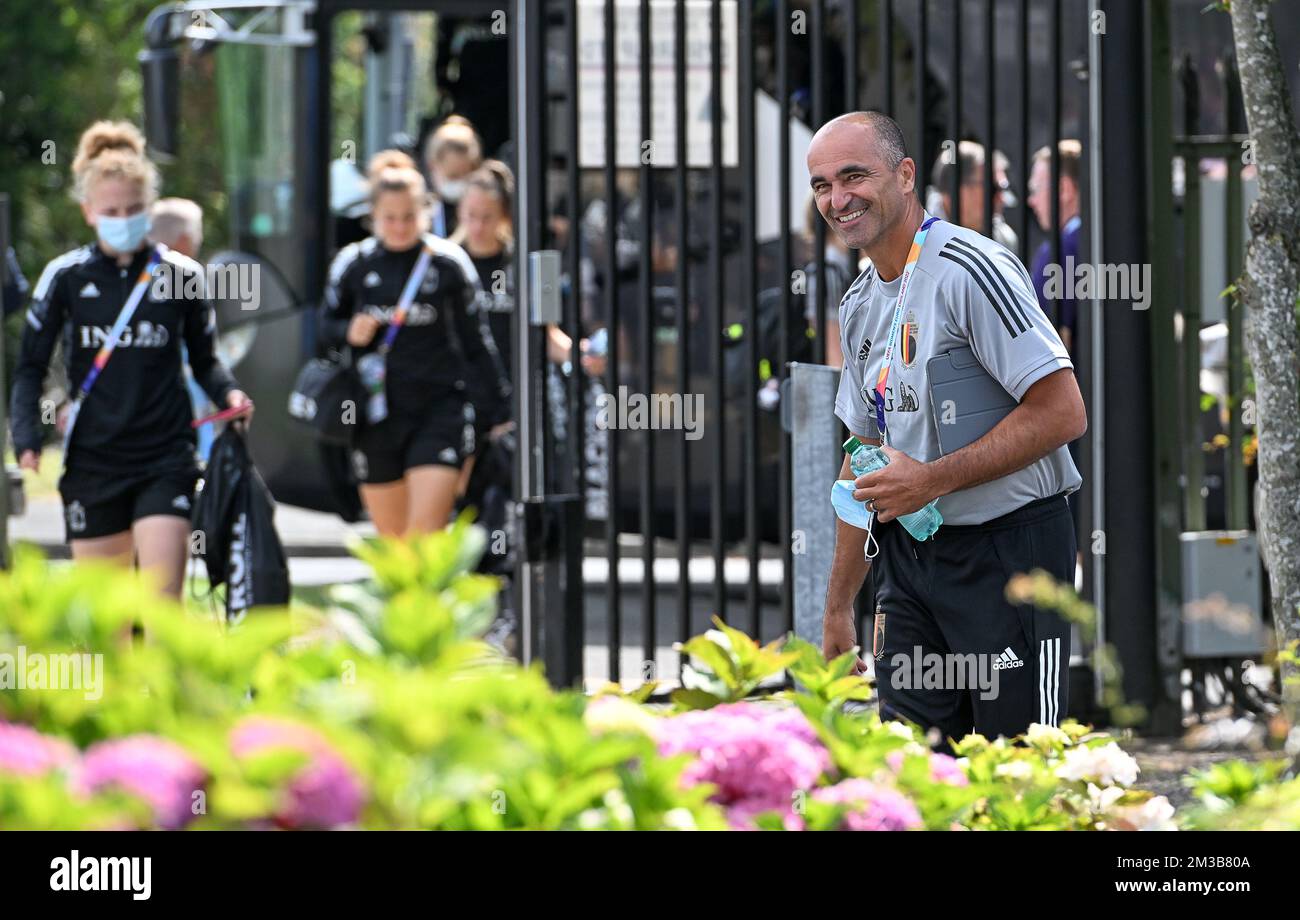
column 840, row 273
column 970, row 164
column 451, row 153
column 409, row 460
column 1062, row 310
column 177, row 223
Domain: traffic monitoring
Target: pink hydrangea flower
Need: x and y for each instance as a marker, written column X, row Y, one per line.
column 876, row 807
column 26, row 752
column 323, row 793
column 943, row 768
column 757, row 756
column 157, row 770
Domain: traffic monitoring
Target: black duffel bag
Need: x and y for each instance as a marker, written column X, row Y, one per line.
column 328, row 398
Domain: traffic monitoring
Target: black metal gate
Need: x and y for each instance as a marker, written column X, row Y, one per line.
column 694, row 272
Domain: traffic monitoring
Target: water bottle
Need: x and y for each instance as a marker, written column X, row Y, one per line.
column 370, row 368
column 863, row 459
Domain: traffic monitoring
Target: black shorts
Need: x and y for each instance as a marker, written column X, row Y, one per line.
column 100, row 504
column 951, row 652
column 443, row 437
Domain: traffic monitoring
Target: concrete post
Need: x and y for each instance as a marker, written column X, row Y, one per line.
column 808, row 413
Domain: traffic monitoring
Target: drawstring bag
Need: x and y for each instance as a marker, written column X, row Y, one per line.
column 235, row 516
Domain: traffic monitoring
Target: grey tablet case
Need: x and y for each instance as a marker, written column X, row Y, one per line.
column 967, row 396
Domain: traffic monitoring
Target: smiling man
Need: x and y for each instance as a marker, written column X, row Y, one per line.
column 1002, row 496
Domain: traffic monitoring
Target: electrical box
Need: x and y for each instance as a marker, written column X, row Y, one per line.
column 1221, row 594
column 544, row 287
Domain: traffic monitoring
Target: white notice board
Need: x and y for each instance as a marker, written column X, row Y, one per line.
column 663, row 89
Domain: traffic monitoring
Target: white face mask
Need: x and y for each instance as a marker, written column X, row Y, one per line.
column 452, row 190
column 123, row 234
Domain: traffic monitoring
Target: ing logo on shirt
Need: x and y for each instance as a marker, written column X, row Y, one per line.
column 907, row 399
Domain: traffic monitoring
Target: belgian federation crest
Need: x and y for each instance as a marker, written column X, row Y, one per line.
column 908, row 336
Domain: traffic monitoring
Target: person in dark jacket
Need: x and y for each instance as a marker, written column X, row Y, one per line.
column 442, row 370
column 129, row 461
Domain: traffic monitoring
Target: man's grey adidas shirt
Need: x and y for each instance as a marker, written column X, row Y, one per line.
column 965, row 290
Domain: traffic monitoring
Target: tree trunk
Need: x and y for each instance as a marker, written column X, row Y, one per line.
column 1268, row 293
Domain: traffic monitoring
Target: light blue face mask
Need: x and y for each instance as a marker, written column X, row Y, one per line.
column 123, row 234
column 854, row 513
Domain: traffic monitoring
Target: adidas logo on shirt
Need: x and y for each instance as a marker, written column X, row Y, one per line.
column 181, row 502
column 448, row 455
column 1007, row 660
column 371, row 279
column 90, row 290
column 865, row 350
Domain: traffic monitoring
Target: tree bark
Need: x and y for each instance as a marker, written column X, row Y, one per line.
column 1268, row 293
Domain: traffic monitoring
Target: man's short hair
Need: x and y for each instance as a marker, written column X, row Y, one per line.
column 1071, row 152
column 889, row 136
column 172, row 218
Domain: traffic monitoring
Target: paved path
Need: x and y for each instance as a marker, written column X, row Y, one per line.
column 303, row 532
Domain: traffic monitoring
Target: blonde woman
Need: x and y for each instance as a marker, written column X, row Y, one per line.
column 129, row 463
column 452, row 152
column 408, row 455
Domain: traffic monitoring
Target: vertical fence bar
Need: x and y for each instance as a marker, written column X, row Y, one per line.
column 819, row 226
column 4, row 393
column 531, row 578
column 749, row 296
column 954, row 112
column 1054, row 62
column 990, row 115
column 1157, row 93
column 1026, row 165
column 683, row 345
column 886, row 51
column 922, row 155
column 575, row 427
column 1236, row 495
column 716, row 306
column 1193, row 456
column 783, row 197
column 648, row 618
column 612, row 592
column 850, row 8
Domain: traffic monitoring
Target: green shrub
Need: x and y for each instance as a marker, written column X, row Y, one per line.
column 378, row 706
